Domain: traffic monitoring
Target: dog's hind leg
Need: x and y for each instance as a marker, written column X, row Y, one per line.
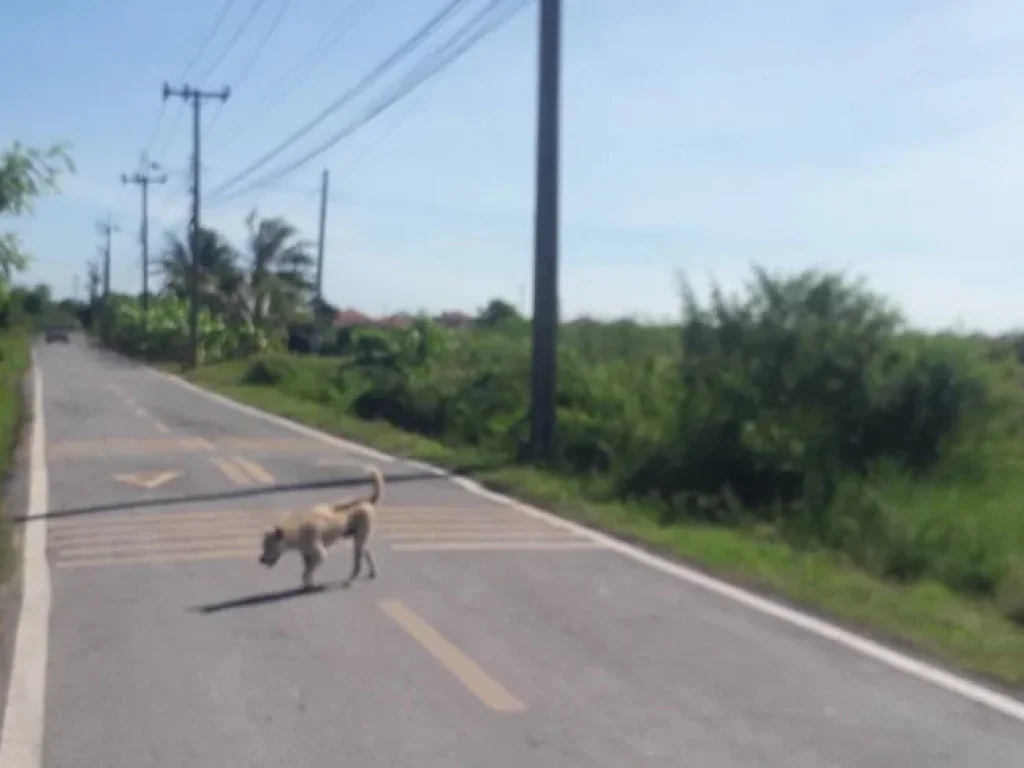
column 358, row 552
column 371, row 567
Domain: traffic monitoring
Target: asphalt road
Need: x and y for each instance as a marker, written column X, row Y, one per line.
column 489, row 639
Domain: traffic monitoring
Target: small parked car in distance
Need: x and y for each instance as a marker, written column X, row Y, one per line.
column 57, row 333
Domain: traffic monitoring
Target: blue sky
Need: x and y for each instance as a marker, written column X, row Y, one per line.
column 886, row 139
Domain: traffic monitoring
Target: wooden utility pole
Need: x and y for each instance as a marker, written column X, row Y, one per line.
column 196, row 97
column 106, row 228
column 143, row 179
column 543, row 379
column 319, row 301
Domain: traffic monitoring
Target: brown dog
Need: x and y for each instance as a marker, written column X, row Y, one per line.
column 312, row 532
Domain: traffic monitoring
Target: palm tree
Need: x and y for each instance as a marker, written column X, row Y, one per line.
column 278, row 273
column 219, row 281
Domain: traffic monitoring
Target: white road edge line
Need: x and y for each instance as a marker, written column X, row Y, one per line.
column 21, row 741
column 902, row 662
column 316, row 434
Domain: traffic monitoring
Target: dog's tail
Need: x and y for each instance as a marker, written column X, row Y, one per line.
column 378, row 485
column 378, row 490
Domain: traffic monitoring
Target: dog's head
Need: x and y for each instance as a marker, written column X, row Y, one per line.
column 273, row 546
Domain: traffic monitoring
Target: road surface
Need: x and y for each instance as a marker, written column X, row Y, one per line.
column 491, row 638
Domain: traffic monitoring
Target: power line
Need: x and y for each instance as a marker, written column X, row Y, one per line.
column 174, row 129
column 444, row 57
column 228, row 5
column 375, row 74
column 238, row 34
column 343, row 23
column 214, row 29
column 386, row 135
column 263, row 42
column 256, row 54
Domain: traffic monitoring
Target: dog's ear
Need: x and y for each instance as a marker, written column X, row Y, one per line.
column 278, row 532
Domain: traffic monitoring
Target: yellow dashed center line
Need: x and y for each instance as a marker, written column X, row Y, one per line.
column 492, row 693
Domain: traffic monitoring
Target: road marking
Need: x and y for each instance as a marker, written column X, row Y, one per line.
column 193, row 535
column 496, row 546
column 21, row 740
column 241, row 471
column 161, row 427
column 258, row 473
column 332, row 462
column 139, row 537
column 156, row 559
column 148, row 522
column 492, row 693
column 302, row 429
column 233, row 473
column 160, row 546
column 271, row 444
column 103, row 448
column 426, row 534
column 148, row 480
column 924, row 671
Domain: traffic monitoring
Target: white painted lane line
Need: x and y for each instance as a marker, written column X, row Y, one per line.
column 302, row 429
column 21, row 741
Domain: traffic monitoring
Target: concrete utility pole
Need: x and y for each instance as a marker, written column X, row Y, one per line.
column 543, row 379
column 196, row 97
column 317, row 340
column 106, row 228
column 143, row 179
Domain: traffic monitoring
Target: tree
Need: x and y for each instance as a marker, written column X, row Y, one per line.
column 219, row 281
column 38, row 300
column 25, row 174
column 279, row 282
column 498, row 312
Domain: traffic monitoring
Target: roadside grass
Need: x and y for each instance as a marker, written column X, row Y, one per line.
column 14, row 362
column 924, row 616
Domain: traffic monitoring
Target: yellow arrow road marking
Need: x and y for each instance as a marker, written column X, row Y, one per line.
column 149, row 480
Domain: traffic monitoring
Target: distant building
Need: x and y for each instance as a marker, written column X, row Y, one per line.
column 350, row 318
column 399, row 320
column 454, row 319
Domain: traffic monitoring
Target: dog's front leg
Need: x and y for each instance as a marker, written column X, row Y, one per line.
column 371, row 566
column 311, row 560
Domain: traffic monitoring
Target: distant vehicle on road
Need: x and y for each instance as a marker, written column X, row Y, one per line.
column 57, row 333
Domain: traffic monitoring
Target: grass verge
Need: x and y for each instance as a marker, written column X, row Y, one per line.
column 15, row 358
column 925, row 617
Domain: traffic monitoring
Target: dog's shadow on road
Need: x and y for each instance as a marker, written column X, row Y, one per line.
column 266, row 597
